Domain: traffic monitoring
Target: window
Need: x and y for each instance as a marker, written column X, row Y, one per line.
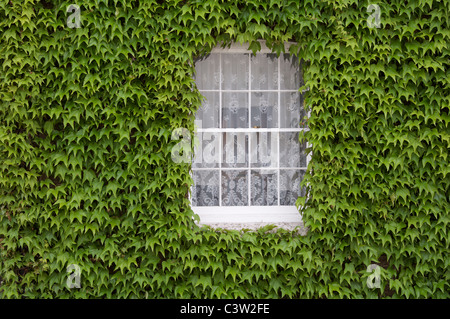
column 248, row 161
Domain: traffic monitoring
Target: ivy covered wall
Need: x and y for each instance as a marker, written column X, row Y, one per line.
column 87, row 183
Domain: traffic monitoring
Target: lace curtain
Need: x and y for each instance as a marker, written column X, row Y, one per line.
column 241, row 158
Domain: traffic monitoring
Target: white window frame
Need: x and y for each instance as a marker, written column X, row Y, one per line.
column 249, row 216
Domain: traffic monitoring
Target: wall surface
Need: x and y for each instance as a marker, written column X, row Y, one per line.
column 92, row 205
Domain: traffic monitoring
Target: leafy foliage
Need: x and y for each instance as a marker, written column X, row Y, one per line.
column 86, row 175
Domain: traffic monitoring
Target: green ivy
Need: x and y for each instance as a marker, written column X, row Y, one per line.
column 86, row 175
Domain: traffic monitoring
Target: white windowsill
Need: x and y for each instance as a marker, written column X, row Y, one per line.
column 250, row 217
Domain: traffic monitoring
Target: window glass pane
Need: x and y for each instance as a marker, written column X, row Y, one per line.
column 235, row 68
column 234, row 188
column 264, row 187
column 208, row 112
column 207, row 75
column 234, row 110
column 290, row 186
column 292, row 153
column 289, row 72
column 206, row 150
column 235, row 150
column 264, row 109
column 264, row 72
column 292, row 113
column 206, row 188
column 264, row 147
